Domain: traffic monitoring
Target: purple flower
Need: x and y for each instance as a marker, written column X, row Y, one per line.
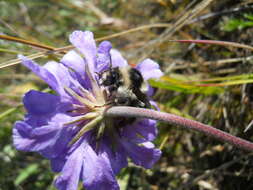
column 69, row 127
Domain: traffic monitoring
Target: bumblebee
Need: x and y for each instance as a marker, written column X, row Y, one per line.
column 126, row 87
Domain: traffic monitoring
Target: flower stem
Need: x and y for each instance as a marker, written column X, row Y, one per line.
column 186, row 123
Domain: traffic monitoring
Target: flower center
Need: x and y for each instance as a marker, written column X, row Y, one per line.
column 89, row 110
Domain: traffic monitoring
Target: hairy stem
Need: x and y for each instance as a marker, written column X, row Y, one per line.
column 186, row 123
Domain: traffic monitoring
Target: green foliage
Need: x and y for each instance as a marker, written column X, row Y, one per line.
column 180, row 84
column 25, row 173
column 239, row 24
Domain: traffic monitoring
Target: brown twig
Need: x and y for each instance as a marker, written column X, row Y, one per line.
column 14, row 39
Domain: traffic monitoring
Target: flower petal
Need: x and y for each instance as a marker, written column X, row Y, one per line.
column 40, row 71
column 41, row 107
column 85, row 43
column 71, row 171
column 53, row 73
column 105, row 47
column 57, row 163
column 149, row 69
column 43, row 130
column 25, row 141
column 49, row 139
column 144, row 155
column 74, row 61
column 20, row 135
column 103, row 57
column 147, row 129
column 40, row 103
column 117, row 157
column 117, row 59
column 141, row 131
column 97, row 173
column 64, row 78
column 60, row 136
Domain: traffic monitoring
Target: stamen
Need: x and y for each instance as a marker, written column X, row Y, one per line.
column 78, row 109
column 88, row 95
column 100, row 131
column 86, row 128
column 79, row 98
column 90, row 115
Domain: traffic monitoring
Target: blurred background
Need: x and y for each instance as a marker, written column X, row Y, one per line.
column 208, row 83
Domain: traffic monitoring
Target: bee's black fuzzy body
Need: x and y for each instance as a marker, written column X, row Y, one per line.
column 126, row 87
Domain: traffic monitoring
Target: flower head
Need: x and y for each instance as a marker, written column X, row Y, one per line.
column 70, row 129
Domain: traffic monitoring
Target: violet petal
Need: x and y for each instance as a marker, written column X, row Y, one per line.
column 70, row 174
column 97, row 172
column 117, row 59
column 85, row 43
column 144, row 156
column 103, row 57
column 40, row 103
column 149, row 69
column 74, row 61
column 145, row 128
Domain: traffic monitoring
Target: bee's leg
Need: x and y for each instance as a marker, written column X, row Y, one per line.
column 142, row 97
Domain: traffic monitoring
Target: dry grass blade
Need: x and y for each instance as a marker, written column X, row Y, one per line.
column 181, row 21
column 14, row 39
column 17, row 61
column 66, row 48
column 216, row 42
